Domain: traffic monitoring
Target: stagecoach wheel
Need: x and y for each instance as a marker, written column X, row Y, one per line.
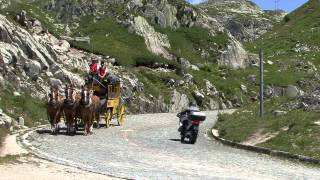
column 108, row 117
column 121, row 113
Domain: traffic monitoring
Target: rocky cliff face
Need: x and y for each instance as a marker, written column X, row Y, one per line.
column 34, row 59
column 244, row 19
column 155, row 41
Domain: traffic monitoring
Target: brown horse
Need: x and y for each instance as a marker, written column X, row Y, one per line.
column 89, row 109
column 70, row 106
column 54, row 105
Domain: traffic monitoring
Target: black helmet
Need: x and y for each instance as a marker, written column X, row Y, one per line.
column 192, row 103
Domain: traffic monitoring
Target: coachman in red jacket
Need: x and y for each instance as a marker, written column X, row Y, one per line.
column 102, row 71
column 93, row 67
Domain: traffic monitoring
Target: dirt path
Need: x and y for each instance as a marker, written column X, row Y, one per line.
column 33, row 168
column 29, row 167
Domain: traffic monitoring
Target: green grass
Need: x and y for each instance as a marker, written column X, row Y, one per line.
column 127, row 48
column 301, row 26
column 31, row 109
column 155, row 82
column 229, row 86
column 302, row 136
column 34, row 10
column 186, row 42
column 3, row 134
column 9, row 159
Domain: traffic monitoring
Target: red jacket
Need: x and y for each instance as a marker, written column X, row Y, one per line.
column 103, row 71
column 93, row 68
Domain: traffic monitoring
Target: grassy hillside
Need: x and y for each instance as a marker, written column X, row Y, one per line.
column 290, row 46
column 296, row 131
column 110, row 38
column 31, row 109
column 3, row 134
column 301, row 27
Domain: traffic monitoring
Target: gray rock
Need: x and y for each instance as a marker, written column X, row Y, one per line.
column 6, row 120
column 198, row 96
column 156, row 42
column 2, row 81
column 112, row 60
column 279, row 113
column 188, row 78
column 180, row 83
column 223, row 106
column 195, row 68
column 213, row 105
column 178, row 102
column 244, row 88
column 270, row 62
column 15, row 93
column 21, row 121
column 133, row 4
column 222, row 96
column 292, row 91
column 34, row 68
column 210, row 88
column 234, row 56
column 55, row 82
column 49, row 74
column 185, row 64
column 252, row 78
column 229, row 104
column 171, row 82
column 269, row 92
column 162, row 13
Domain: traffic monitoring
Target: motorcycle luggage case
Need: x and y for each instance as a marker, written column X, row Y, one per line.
column 197, row 116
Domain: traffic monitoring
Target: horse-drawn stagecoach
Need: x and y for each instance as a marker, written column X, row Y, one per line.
column 97, row 101
column 111, row 93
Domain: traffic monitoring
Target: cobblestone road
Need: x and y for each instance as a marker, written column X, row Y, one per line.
column 148, row 147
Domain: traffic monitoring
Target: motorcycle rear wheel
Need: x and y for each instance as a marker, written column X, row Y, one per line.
column 193, row 139
column 182, row 139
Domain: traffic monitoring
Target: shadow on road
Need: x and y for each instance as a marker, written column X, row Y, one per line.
column 63, row 132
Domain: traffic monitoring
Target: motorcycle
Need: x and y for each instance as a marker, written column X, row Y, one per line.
column 189, row 126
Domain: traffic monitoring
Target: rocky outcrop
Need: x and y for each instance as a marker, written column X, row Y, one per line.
column 178, row 102
column 4, row 3
column 242, row 18
column 155, row 41
column 28, row 59
column 234, row 56
column 161, row 13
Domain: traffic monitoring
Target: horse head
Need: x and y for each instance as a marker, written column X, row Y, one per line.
column 86, row 95
column 70, row 94
column 53, row 96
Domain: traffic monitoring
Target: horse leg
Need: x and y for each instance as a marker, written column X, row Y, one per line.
column 98, row 119
column 85, row 127
column 67, row 121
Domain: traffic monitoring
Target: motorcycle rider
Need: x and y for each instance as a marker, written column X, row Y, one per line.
column 184, row 114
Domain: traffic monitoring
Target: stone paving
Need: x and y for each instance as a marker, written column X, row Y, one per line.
column 148, row 147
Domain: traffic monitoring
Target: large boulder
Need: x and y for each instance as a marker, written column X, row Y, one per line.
column 5, row 120
column 234, row 56
column 162, row 13
column 33, row 68
column 156, row 42
column 178, row 101
column 210, row 88
column 292, row 91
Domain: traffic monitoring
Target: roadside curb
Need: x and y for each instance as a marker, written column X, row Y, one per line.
column 270, row 152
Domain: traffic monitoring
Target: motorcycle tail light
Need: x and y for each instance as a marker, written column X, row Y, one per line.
column 196, row 122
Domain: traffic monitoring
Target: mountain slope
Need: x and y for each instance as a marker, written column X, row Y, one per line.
column 243, row 18
column 166, row 52
column 291, row 70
